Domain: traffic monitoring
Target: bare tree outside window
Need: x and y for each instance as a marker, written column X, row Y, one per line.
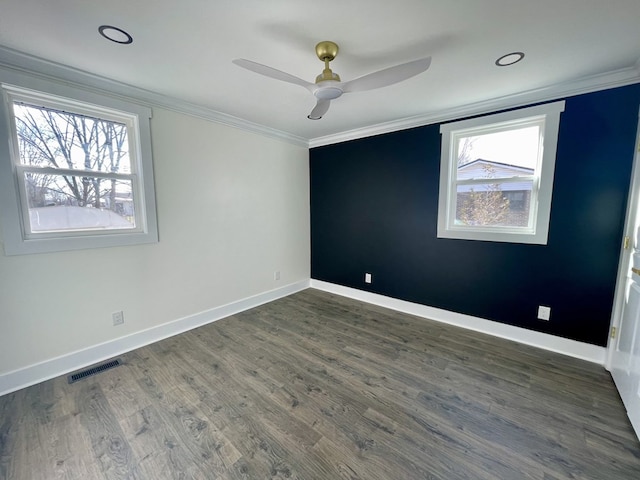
column 80, row 160
column 465, row 150
column 483, row 205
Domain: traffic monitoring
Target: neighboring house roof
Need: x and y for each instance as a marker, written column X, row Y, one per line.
column 481, row 162
column 477, row 169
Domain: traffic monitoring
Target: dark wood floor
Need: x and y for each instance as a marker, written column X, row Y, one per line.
column 315, row 386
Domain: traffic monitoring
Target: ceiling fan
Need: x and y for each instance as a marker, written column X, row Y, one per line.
column 328, row 85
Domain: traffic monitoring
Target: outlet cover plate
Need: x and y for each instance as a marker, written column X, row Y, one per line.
column 544, row 313
column 118, row 318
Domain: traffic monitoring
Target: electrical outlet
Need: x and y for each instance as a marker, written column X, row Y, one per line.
column 118, row 318
column 367, row 278
column 544, row 313
column 276, row 275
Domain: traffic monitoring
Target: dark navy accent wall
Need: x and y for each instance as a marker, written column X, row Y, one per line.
column 374, row 207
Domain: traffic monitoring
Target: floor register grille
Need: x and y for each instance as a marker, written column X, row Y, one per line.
column 74, row 377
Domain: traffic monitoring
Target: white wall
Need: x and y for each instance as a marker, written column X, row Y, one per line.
column 233, row 207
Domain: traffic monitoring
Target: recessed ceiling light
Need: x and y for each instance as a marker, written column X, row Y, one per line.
column 115, row 34
column 509, row 59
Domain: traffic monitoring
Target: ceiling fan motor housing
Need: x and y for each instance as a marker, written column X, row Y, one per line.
column 329, row 90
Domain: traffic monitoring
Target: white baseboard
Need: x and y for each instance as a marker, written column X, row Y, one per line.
column 572, row 348
column 24, row 377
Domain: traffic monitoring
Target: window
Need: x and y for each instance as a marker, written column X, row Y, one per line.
column 496, row 176
column 76, row 169
column 518, row 200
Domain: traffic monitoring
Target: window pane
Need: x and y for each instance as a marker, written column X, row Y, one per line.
column 496, row 175
column 505, row 150
column 57, row 139
column 71, row 203
column 494, row 204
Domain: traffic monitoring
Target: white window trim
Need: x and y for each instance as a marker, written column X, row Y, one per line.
column 537, row 233
column 15, row 238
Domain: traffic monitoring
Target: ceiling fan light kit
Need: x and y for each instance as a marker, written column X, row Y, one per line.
column 328, row 85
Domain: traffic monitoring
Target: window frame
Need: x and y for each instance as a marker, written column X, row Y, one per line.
column 14, row 212
column 537, row 232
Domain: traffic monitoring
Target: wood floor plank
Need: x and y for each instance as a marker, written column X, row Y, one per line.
column 372, row 382
column 317, row 386
column 201, row 442
column 272, row 437
column 70, row 457
column 122, row 391
column 275, row 434
column 107, row 439
column 9, row 431
column 353, row 437
column 160, row 453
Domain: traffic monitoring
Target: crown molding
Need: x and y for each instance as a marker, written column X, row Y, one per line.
column 57, row 72
column 32, row 65
column 593, row 83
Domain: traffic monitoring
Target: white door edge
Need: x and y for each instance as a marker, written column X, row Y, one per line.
column 624, row 265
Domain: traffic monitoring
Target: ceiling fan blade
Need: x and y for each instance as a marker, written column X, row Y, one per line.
column 388, row 76
column 319, row 110
column 271, row 72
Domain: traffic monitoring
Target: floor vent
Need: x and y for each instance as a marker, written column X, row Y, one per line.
column 94, row 370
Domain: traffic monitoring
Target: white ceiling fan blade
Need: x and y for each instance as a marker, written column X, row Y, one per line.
column 319, row 110
column 388, row 76
column 271, row 72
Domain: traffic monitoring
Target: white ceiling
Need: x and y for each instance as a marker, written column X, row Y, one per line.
column 183, row 50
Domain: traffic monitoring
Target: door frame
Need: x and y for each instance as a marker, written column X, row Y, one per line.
column 631, row 226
